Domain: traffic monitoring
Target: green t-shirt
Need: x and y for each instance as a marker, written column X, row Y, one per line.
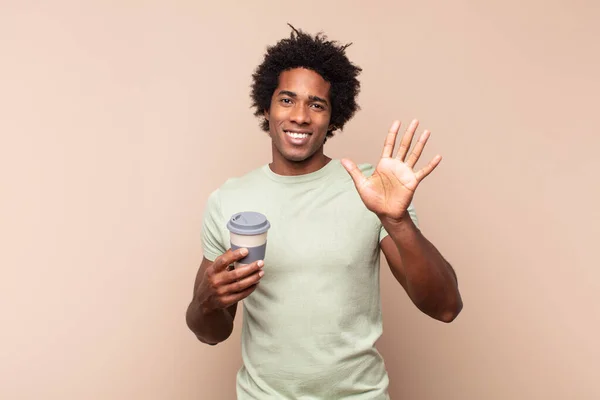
column 310, row 327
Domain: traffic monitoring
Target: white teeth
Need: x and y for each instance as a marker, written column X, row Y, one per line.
column 296, row 135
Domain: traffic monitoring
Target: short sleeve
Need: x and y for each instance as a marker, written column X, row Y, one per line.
column 413, row 215
column 212, row 241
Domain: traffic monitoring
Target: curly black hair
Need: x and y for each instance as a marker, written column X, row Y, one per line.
column 325, row 57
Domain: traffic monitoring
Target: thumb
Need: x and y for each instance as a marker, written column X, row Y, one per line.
column 355, row 173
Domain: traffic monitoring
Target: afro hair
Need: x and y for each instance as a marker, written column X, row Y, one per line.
column 325, row 57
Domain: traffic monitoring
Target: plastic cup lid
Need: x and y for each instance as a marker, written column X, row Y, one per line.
column 248, row 223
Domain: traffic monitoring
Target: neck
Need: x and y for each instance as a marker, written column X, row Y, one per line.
column 282, row 166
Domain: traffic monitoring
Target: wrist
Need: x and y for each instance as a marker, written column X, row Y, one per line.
column 390, row 222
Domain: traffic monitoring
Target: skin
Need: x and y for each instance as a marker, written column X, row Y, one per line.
column 301, row 102
column 217, row 291
column 426, row 276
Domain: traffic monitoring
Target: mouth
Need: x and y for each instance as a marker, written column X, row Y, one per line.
column 297, row 137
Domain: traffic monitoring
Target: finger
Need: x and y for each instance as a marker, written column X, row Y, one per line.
column 242, row 272
column 390, row 140
column 231, row 299
column 407, row 139
column 416, row 153
column 428, row 168
column 242, row 284
column 229, row 257
column 356, row 174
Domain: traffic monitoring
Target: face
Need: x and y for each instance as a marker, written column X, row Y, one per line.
column 299, row 115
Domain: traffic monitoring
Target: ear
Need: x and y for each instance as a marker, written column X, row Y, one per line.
column 266, row 114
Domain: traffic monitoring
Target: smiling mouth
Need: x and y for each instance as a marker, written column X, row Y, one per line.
column 297, row 135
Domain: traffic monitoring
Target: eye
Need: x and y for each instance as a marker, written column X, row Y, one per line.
column 286, row 101
column 318, row 106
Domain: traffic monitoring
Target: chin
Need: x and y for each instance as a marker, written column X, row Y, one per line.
column 295, row 154
column 296, row 157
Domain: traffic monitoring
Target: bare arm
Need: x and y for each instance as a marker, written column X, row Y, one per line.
column 427, row 277
column 217, row 291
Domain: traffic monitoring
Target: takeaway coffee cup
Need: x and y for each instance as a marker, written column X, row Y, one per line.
column 248, row 229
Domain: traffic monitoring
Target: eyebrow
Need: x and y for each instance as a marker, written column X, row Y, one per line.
column 294, row 95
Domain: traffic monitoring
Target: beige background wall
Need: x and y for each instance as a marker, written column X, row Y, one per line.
column 117, row 119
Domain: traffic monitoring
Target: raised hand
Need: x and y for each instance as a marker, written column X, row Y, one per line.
column 390, row 189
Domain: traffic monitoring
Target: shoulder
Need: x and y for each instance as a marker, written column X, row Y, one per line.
column 237, row 192
column 248, row 179
column 232, row 184
column 221, row 199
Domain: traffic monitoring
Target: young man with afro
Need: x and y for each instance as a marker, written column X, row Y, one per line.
column 312, row 310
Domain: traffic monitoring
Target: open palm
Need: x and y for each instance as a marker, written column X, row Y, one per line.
column 390, row 189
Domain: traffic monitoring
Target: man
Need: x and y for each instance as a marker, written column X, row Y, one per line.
column 312, row 309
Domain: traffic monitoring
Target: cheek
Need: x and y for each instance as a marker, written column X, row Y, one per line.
column 277, row 117
column 325, row 122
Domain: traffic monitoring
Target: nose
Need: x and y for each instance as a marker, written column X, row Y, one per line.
column 300, row 114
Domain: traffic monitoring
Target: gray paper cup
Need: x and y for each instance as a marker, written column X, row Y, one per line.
column 248, row 229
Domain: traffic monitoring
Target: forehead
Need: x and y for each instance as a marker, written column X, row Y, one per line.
column 303, row 82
